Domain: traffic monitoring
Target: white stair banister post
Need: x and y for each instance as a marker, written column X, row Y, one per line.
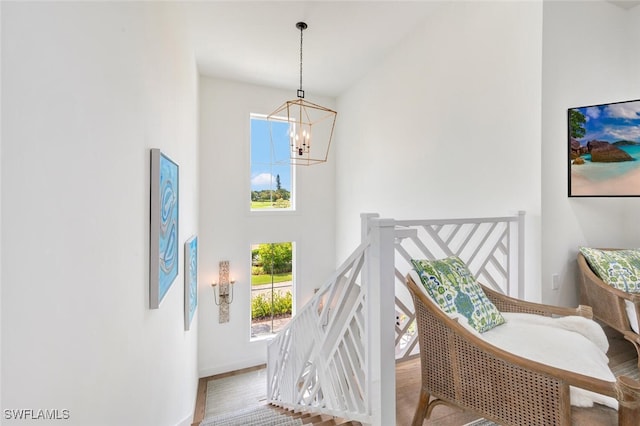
column 521, row 254
column 365, row 224
column 379, row 287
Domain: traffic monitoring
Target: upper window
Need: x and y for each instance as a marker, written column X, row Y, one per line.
column 271, row 173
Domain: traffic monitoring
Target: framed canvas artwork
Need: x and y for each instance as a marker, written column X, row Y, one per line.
column 604, row 150
column 163, row 253
column 190, row 280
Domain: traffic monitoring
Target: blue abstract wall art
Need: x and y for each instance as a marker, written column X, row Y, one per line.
column 163, row 254
column 190, row 280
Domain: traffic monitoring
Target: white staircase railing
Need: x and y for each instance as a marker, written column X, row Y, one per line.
column 492, row 248
column 337, row 355
column 318, row 362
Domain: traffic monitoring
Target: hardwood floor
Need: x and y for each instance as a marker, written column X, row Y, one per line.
column 408, row 389
column 407, row 392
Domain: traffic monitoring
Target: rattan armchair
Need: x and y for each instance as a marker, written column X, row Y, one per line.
column 608, row 303
column 460, row 369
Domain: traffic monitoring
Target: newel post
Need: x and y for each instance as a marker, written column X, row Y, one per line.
column 379, row 291
column 521, row 254
column 365, row 224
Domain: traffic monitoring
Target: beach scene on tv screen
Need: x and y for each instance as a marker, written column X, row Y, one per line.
column 604, row 149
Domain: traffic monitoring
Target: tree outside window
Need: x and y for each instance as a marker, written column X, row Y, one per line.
column 271, row 173
column 271, row 287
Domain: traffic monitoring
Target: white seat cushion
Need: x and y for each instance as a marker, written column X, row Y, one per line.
column 579, row 350
column 571, row 343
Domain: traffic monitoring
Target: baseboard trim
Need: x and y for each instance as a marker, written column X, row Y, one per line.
column 186, row 421
column 211, row 368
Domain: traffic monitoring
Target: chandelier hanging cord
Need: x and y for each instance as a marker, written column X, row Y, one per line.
column 301, row 26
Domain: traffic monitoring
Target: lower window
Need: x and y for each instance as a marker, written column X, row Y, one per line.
column 272, row 284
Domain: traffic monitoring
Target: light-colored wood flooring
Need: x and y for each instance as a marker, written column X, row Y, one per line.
column 408, row 389
column 407, row 392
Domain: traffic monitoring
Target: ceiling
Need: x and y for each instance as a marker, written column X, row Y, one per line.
column 625, row 4
column 257, row 41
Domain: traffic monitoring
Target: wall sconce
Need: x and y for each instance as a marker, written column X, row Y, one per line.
column 224, row 296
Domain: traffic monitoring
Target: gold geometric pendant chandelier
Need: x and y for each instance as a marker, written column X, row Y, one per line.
column 310, row 125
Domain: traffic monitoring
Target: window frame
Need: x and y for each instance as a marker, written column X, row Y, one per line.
column 272, row 334
column 279, row 163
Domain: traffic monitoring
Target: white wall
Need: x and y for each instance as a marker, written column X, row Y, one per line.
column 632, row 40
column 1, row 35
column 634, row 16
column 590, row 56
column 448, row 125
column 228, row 229
column 87, row 90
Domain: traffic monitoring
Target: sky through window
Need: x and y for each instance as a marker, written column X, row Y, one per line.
column 271, row 173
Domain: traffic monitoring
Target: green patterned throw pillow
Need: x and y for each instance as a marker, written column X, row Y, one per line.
column 618, row 268
column 450, row 283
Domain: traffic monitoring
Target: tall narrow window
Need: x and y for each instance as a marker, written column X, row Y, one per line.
column 271, row 172
column 272, row 287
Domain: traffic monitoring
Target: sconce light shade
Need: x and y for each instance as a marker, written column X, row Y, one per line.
column 224, row 297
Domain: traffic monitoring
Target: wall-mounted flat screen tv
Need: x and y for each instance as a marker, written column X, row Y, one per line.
column 604, row 150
